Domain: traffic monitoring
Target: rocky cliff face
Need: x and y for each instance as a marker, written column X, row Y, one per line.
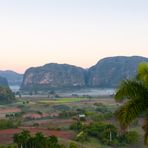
column 53, row 76
column 107, row 72
column 3, row 82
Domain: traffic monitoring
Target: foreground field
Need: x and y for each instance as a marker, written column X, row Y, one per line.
column 55, row 117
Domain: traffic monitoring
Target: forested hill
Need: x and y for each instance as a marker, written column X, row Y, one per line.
column 12, row 77
column 108, row 72
column 3, row 82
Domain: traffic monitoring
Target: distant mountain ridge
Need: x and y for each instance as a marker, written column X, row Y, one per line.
column 108, row 73
column 12, row 77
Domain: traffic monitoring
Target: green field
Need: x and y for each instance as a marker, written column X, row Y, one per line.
column 63, row 100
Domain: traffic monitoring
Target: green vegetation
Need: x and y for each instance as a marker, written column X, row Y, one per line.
column 3, row 82
column 82, row 136
column 6, row 95
column 73, row 145
column 26, row 140
column 67, row 114
column 77, row 126
column 61, row 107
column 136, row 93
column 6, row 124
column 108, row 134
column 63, row 100
column 62, row 115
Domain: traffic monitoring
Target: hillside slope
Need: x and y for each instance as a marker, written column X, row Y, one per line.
column 108, row 72
column 53, row 76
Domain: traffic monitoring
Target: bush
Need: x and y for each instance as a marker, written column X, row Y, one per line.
column 6, row 124
column 67, row 114
column 102, row 116
column 131, row 137
column 72, row 145
column 77, row 126
column 36, row 124
column 108, row 135
column 96, row 129
column 82, row 136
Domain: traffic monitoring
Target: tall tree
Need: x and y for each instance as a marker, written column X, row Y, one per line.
column 22, row 139
column 39, row 140
column 136, row 93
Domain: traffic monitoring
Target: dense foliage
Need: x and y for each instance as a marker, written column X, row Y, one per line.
column 26, row 140
column 108, row 134
column 136, row 93
column 6, row 95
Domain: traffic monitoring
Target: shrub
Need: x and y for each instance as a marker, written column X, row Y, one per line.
column 108, row 134
column 77, row 126
column 82, row 136
column 7, row 123
column 36, row 124
column 67, row 114
column 72, row 145
column 131, row 137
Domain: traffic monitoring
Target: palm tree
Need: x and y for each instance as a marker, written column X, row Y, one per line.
column 136, row 93
column 39, row 140
column 21, row 139
column 25, row 134
column 52, row 142
column 16, row 139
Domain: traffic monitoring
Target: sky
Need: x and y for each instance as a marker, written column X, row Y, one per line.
column 77, row 32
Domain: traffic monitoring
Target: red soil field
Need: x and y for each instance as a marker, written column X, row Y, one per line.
column 53, row 122
column 9, row 110
column 6, row 136
column 59, row 122
column 35, row 115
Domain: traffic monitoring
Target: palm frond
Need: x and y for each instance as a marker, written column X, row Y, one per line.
column 131, row 89
column 130, row 111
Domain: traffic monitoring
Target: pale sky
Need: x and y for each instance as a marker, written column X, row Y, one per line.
column 78, row 32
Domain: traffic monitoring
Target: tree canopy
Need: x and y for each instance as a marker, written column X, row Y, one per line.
column 6, row 95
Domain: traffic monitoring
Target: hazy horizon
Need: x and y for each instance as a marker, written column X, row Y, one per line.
column 78, row 32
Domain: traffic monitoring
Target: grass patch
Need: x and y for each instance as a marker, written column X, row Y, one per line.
column 94, row 143
column 62, row 100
